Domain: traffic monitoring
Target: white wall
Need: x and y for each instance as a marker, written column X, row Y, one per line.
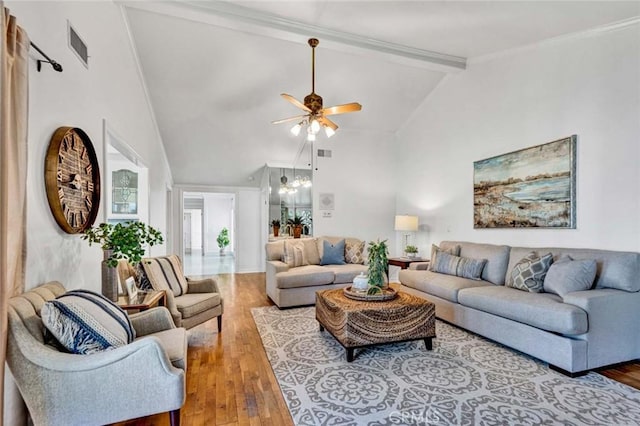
column 110, row 89
column 361, row 177
column 249, row 232
column 218, row 213
column 587, row 86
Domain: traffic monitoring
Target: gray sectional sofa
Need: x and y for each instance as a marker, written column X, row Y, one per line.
column 574, row 333
column 296, row 286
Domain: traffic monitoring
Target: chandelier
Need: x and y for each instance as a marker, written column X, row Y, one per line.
column 292, row 188
column 285, row 187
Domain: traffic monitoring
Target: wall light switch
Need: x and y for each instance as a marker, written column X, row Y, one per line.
column 327, row 214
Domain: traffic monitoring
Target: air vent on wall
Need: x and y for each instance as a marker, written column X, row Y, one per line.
column 78, row 46
column 324, row 153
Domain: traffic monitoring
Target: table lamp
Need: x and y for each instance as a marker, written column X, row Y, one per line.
column 406, row 223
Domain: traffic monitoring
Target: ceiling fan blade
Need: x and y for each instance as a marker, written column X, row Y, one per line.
column 284, row 120
column 295, row 102
column 341, row 109
column 328, row 123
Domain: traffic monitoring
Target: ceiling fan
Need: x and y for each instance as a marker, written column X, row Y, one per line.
column 316, row 115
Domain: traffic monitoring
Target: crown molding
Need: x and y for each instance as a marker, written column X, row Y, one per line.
column 580, row 35
column 240, row 18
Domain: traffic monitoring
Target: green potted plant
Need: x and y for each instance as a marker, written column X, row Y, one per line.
column 411, row 251
column 275, row 224
column 296, row 223
column 378, row 252
column 223, row 240
column 126, row 240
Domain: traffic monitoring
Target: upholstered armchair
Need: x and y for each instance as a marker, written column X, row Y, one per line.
column 141, row 378
column 191, row 302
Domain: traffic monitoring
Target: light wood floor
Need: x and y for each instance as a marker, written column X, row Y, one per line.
column 229, row 379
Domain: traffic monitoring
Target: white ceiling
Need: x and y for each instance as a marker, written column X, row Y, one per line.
column 215, row 80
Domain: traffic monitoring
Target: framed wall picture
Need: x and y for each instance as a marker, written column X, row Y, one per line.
column 327, row 202
column 530, row 188
column 132, row 289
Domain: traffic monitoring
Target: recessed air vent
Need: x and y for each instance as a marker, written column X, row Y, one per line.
column 78, row 46
column 324, row 153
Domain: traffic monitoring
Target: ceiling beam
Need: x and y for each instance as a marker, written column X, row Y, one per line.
column 240, row 18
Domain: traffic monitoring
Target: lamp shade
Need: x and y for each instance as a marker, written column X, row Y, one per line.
column 406, row 223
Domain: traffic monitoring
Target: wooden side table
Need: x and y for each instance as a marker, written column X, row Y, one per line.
column 143, row 301
column 404, row 262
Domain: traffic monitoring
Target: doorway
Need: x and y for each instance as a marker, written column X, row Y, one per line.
column 205, row 217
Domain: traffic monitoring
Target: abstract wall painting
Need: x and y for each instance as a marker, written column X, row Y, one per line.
column 530, row 188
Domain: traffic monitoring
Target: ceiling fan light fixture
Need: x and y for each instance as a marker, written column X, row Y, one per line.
column 295, row 130
column 315, row 126
column 329, row 131
column 315, row 115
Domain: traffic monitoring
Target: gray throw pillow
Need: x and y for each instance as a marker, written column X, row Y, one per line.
column 464, row 267
column 85, row 322
column 455, row 250
column 528, row 274
column 566, row 276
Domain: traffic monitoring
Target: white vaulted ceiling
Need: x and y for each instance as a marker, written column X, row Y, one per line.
column 214, row 71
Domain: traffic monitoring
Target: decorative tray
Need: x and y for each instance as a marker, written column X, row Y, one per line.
column 387, row 294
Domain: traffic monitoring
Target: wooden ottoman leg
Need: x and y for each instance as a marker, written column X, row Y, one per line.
column 321, row 327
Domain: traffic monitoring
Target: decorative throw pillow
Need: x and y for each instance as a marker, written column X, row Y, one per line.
column 310, row 250
column 528, row 274
column 294, row 254
column 166, row 274
column 464, row 267
column 85, row 322
column 142, row 280
column 567, row 275
column 455, row 250
column 332, row 254
column 354, row 252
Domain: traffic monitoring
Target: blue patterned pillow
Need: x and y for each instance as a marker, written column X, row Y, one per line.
column 464, row 267
column 332, row 254
column 85, row 322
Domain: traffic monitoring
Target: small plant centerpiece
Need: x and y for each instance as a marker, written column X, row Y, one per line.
column 411, row 251
column 223, row 240
column 275, row 224
column 378, row 252
column 296, row 223
column 128, row 241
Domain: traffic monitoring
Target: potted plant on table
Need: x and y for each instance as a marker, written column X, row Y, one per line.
column 378, row 260
column 121, row 241
column 223, row 240
column 275, row 224
column 296, row 223
column 411, row 251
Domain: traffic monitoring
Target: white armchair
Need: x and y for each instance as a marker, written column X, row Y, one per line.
column 139, row 379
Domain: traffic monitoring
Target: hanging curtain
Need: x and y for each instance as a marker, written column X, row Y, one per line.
column 14, row 49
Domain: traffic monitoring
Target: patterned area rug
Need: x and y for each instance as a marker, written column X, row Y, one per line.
column 465, row 380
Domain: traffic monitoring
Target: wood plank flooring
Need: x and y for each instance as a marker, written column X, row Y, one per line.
column 229, row 379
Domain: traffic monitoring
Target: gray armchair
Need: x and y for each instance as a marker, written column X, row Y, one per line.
column 139, row 379
column 191, row 302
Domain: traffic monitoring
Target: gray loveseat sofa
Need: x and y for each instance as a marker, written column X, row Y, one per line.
column 289, row 286
column 577, row 332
